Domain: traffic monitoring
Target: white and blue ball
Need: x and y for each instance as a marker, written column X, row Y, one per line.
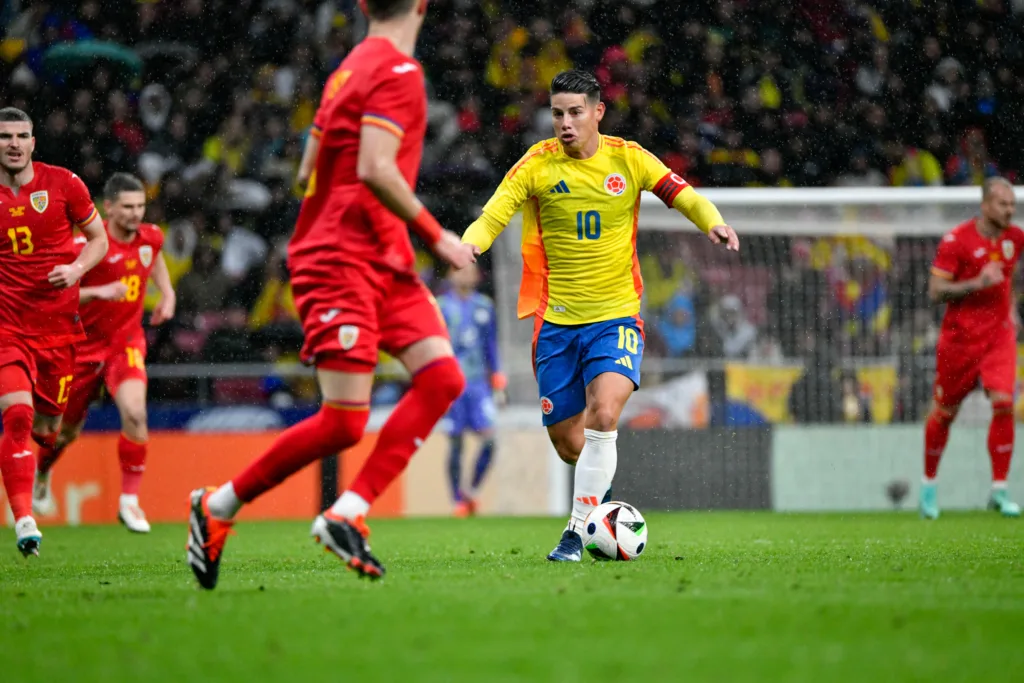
column 615, row 531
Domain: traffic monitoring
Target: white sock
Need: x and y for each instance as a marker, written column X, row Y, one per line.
column 224, row 503
column 350, row 506
column 128, row 499
column 999, row 486
column 926, row 480
column 594, row 473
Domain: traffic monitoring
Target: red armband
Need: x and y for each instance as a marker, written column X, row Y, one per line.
column 426, row 226
column 669, row 187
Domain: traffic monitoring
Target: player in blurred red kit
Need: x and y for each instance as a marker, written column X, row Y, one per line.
column 972, row 274
column 40, row 206
column 114, row 351
column 352, row 269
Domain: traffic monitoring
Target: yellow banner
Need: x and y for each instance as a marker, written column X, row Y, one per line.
column 766, row 389
column 878, row 385
column 763, row 388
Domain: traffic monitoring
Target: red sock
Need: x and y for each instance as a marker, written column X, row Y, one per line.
column 936, row 434
column 334, row 428
column 47, row 457
column 17, row 466
column 434, row 389
column 1000, row 441
column 133, row 463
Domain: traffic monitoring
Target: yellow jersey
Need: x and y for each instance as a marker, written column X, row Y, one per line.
column 580, row 221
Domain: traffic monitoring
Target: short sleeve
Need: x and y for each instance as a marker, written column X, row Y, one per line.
column 947, row 258
column 655, row 176
column 80, row 208
column 158, row 239
column 397, row 100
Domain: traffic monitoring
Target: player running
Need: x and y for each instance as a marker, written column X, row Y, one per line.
column 40, row 206
column 581, row 278
column 472, row 325
column 353, row 278
column 114, row 351
column 972, row 274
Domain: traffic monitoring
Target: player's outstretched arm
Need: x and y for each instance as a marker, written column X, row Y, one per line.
column 705, row 215
column 378, row 170
column 95, row 249
column 513, row 191
column 161, row 277
column 675, row 192
column 941, row 288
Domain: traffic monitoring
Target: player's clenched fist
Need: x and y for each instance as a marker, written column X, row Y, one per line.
column 65, row 275
column 991, row 274
column 454, row 251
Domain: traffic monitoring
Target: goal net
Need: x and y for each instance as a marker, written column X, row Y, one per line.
column 819, row 331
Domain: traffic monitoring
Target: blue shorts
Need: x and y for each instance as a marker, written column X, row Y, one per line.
column 473, row 411
column 566, row 358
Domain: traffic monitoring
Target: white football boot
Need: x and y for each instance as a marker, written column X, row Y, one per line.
column 29, row 536
column 131, row 515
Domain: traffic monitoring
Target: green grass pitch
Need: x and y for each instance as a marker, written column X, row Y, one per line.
column 717, row 597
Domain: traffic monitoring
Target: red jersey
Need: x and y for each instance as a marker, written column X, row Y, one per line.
column 961, row 255
column 341, row 220
column 36, row 234
column 110, row 323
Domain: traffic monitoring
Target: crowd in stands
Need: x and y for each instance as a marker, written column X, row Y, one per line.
column 210, row 102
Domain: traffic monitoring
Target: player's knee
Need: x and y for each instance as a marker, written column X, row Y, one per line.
column 943, row 416
column 17, row 422
column 45, row 427
column 342, row 428
column 602, row 416
column 445, row 379
column 133, row 422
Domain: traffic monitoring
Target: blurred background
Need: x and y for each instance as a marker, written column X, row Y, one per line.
column 210, row 103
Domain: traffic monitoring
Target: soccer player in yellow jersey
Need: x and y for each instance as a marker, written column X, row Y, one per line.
column 580, row 194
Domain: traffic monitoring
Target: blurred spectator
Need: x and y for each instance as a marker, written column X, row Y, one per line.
column 735, row 334
column 677, row 325
column 205, row 287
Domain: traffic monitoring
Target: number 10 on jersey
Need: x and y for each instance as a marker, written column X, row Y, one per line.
column 588, row 225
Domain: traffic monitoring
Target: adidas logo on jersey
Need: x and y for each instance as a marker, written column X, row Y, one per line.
column 560, row 188
column 625, row 360
column 408, row 67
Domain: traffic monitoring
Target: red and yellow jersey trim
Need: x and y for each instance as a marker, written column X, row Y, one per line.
column 384, row 123
column 89, row 219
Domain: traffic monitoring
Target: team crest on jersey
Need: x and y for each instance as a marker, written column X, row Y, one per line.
column 546, row 406
column 615, row 184
column 146, row 255
column 1008, row 250
column 40, row 200
column 348, row 335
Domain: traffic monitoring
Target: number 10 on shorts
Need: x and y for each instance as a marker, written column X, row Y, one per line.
column 628, row 339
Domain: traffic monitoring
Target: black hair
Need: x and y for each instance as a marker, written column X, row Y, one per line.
column 577, row 82
column 382, row 10
column 122, row 182
column 9, row 114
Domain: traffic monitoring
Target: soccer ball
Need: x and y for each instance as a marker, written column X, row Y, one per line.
column 615, row 531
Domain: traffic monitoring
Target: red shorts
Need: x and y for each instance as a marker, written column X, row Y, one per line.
column 50, row 372
column 351, row 317
column 92, row 372
column 960, row 368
